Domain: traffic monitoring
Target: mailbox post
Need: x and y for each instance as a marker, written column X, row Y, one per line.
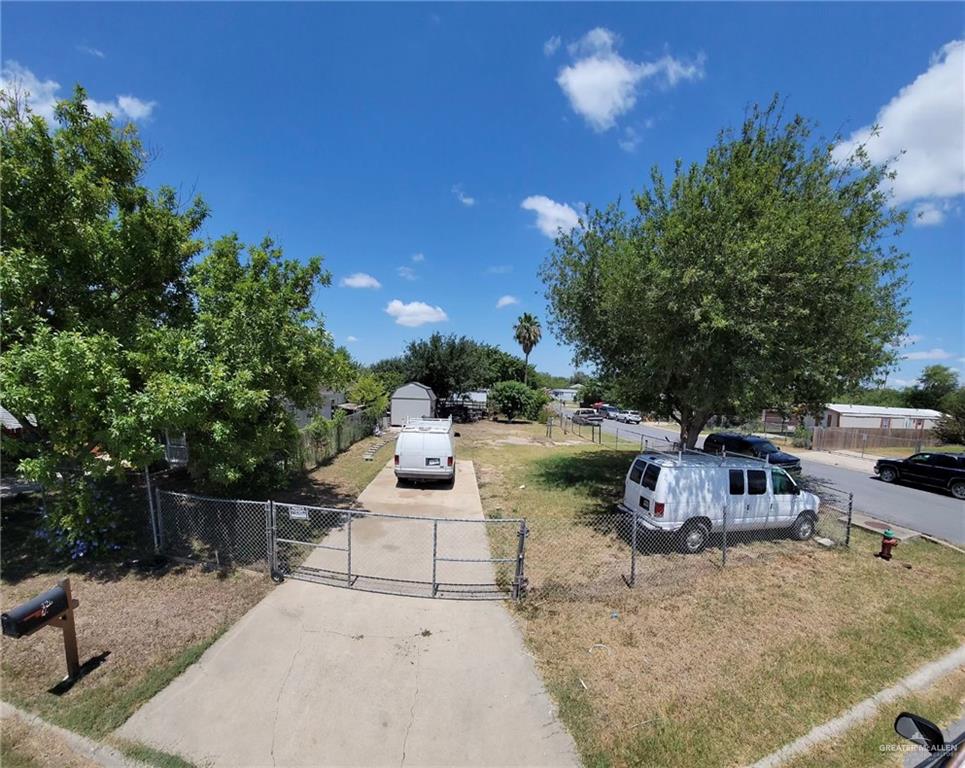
column 53, row 608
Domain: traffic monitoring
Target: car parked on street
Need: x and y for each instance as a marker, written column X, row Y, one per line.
column 686, row 494
column 936, row 469
column 629, row 417
column 587, row 416
column 608, row 411
column 751, row 445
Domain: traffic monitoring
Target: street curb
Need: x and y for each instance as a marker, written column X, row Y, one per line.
column 88, row 748
column 916, row 681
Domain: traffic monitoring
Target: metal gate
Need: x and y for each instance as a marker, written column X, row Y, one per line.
column 456, row 558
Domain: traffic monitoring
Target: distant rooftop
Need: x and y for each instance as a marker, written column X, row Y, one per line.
column 883, row 410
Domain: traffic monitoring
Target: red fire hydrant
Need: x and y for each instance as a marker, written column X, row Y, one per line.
column 888, row 543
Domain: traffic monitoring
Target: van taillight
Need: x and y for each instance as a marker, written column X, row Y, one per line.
column 396, row 459
column 658, row 509
column 449, row 461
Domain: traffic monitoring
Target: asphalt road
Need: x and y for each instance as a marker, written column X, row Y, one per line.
column 932, row 512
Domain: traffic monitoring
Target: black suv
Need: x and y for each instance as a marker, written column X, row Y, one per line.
column 751, row 445
column 944, row 470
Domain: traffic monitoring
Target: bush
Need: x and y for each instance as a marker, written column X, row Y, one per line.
column 513, row 398
column 801, row 437
column 951, row 426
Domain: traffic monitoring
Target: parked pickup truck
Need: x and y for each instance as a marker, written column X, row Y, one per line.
column 586, row 416
column 941, row 470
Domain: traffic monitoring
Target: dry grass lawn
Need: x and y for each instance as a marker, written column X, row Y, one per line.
column 700, row 665
column 150, row 625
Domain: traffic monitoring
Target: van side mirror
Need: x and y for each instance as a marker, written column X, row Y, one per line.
column 922, row 732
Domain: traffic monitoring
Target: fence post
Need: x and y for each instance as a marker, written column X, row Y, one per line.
column 272, row 543
column 520, row 561
column 160, row 520
column 633, row 551
column 348, row 566
column 435, row 547
column 724, row 547
column 847, row 534
column 150, row 510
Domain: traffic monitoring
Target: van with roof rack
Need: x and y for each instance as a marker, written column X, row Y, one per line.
column 425, row 450
column 686, row 494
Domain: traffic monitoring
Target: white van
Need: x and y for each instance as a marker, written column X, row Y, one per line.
column 686, row 494
column 424, row 450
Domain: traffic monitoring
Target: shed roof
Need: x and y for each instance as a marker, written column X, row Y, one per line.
column 883, row 410
column 401, row 393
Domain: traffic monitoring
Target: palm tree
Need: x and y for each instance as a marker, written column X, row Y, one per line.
column 528, row 333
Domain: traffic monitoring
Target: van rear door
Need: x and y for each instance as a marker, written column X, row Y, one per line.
column 632, row 487
column 638, row 492
column 411, row 449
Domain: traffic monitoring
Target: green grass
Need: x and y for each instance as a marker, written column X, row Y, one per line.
column 868, row 743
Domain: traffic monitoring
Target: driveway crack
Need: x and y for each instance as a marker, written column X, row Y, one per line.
column 415, row 697
column 281, row 689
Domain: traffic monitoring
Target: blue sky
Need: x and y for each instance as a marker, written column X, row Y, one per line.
column 430, row 149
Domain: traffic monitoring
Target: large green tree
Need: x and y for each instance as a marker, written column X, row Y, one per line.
column 255, row 350
column 91, row 262
column 117, row 326
column 934, row 384
column 447, row 364
column 766, row 274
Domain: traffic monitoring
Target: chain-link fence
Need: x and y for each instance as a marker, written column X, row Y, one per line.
column 323, row 440
column 588, row 555
column 596, row 555
column 228, row 533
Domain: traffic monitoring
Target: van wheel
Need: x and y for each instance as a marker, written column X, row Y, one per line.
column 888, row 475
column 958, row 490
column 693, row 538
column 803, row 528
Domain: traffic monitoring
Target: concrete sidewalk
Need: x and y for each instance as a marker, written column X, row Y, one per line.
column 322, row 676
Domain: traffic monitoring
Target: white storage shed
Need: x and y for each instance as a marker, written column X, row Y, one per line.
column 412, row 401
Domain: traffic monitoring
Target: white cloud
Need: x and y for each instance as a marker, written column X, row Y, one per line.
column 350, row 339
column 552, row 45
column 924, row 124
column 928, row 354
column 406, row 273
column 499, row 269
column 910, row 338
column 900, row 382
column 631, row 139
column 601, row 85
column 97, row 52
column 415, row 313
column 360, row 280
column 418, row 257
column 506, row 301
column 551, row 216
column 462, row 197
column 929, row 214
column 42, row 96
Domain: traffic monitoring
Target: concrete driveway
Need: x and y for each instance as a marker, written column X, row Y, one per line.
column 324, row 676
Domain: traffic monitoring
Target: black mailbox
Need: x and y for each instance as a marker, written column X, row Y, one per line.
column 36, row 613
